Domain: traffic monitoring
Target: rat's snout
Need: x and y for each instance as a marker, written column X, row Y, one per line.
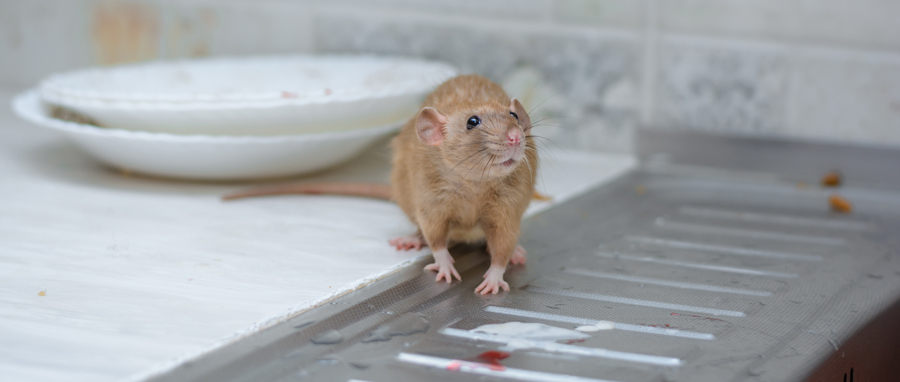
column 513, row 137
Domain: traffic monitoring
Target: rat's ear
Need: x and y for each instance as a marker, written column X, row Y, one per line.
column 430, row 126
column 516, row 107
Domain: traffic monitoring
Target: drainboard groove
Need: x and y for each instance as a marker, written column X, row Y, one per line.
column 585, row 321
column 632, row 301
column 491, row 370
column 675, row 284
column 554, row 347
column 724, row 249
column 746, row 233
column 685, row 264
column 758, row 217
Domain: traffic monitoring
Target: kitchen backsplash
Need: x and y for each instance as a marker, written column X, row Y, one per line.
column 594, row 70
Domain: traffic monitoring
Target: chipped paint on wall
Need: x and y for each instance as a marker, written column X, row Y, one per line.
column 124, row 32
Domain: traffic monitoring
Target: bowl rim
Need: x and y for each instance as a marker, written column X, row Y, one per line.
column 52, row 90
column 28, row 106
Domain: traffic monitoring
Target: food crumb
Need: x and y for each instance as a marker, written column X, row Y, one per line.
column 640, row 189
column 839, row 204
column 42, row 293
column 285, row 94
column 802, row 185
column 831, row 179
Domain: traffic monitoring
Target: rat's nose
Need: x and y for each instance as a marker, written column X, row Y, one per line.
column 513, row 137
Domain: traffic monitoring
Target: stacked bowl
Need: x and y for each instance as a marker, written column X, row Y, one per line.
column 233, row 118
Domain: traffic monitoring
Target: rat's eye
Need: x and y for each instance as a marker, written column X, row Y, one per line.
column 472, row 122
column 514, row 115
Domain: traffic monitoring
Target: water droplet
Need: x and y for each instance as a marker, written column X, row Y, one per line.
column 328, row 337
column 403, row 325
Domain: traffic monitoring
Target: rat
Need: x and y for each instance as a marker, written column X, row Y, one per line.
column 463, row 170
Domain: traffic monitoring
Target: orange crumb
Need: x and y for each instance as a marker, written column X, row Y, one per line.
column 831, row 179
column 839, row 204
column 640, row 189
column 802, row 185
column 42, row 293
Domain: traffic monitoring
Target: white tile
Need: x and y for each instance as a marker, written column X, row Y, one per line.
column 40, row 37
column 204, row 28
column 720, row 85
column 863, row 23
column 845, row 96
column 578, row 65
column 628, row 14
column 481, row 10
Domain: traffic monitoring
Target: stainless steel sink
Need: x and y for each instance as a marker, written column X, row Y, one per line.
column 719, row 259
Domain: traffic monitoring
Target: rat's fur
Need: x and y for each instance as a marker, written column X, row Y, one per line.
column 450, row 180
column 456, row 191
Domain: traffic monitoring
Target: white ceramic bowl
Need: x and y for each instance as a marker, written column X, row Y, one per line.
column 205, row 157
column 249, row 96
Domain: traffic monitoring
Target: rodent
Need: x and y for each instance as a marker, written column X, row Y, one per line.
column 463, row 170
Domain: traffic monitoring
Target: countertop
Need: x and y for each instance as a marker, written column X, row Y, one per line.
column 108, row 276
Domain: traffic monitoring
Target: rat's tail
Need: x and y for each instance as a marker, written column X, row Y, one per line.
column 368, row 190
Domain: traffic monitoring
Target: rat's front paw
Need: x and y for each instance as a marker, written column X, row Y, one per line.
column 493, row 281
column 445, row 270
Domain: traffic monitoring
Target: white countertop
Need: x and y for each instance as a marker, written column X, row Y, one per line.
column 139, row 273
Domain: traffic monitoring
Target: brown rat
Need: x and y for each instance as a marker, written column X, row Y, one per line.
column 463, row 171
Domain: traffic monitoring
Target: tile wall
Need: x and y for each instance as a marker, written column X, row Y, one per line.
column 596, row 70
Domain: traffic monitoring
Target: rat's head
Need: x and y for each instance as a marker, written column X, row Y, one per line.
column 478, row 142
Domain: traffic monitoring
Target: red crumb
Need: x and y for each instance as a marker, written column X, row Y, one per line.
column 454, row 366
column 493, row 357
column 496, row 367
column 288, row 95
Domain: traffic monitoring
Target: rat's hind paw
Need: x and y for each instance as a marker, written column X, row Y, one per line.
column 445, row 271
column 493, row 281
column 408, row 242
column 518, row 256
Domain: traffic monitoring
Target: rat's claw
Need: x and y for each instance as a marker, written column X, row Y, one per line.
column 493, row 281
column 518, row 256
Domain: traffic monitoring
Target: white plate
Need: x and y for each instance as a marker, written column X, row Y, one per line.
column 205, row 157
column 250, row 96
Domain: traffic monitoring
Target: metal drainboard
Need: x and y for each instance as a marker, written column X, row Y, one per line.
column 708, row 276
